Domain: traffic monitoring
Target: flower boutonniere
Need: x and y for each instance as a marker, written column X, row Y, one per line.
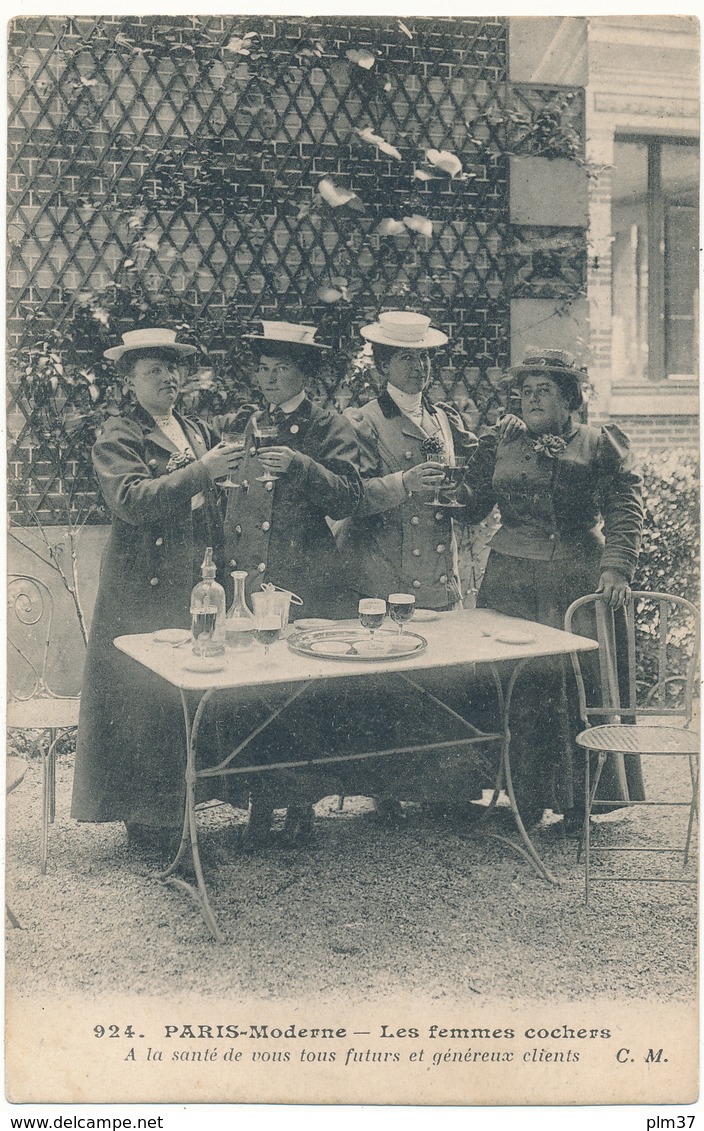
column 433, row 446
column 178, row 460
column 549, row 445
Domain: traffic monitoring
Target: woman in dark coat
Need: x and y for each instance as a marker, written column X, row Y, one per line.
column 278, row 532
column 571, row 514
column 156, row 470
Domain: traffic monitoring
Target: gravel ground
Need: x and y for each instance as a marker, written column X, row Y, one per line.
column 365, row 911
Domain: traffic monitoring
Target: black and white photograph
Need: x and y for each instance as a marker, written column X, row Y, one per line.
column 352, row 422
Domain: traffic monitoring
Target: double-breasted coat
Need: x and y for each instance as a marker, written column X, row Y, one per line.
column 396, row 542
column 129, row 756
column 278, row 531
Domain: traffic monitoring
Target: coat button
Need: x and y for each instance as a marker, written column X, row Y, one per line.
column 416, row 584
column 294, row 429
column 415, row 520
column 238, row 529
column 153, row 463
column 416, row 553
column 252, row 450
column 269, row 485
column 153, row 580
column 266, row 526
column 443, row 577
column 553, row 537
column 409, row 455
column 439, row 516
column 159, row 542
column 233, row 562
column 440, row 549
column 262, row 567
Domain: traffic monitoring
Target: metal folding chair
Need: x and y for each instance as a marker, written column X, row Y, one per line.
column 664, row 631
column 33, row 705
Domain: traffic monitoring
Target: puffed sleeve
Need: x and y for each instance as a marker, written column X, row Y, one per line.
column 331, row 480
column 381, row 492
column 128, row 487
column 621, row 501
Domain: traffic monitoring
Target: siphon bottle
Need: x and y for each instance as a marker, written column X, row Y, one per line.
column 208, row 611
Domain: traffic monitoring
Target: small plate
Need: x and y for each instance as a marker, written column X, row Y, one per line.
column 424, row 616
column 332, row 648
column 172, row 636
column 209, row 664
column 311, row 622
column 514, row 638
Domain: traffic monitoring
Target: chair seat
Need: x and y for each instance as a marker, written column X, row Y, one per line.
column 38, row 714
column 618, row 739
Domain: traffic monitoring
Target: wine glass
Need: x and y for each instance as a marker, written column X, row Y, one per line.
column 401, row 608
column 452, row 479
column 236, row 440
column 264, row 436
column 203, row 618
column 372, row 611
column 267, row 630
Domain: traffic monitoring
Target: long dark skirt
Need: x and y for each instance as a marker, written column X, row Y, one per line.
column 546, row 765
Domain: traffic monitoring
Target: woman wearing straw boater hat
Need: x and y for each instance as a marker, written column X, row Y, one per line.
column 395, row 543
column 277, row 531
column 571, row 520
column 156, row 471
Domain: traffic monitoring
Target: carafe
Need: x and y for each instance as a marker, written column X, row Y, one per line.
column 240, row 623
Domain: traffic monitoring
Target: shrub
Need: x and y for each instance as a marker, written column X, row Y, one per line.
column 669, row 560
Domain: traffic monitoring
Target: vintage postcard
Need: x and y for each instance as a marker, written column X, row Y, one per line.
column 346, row 356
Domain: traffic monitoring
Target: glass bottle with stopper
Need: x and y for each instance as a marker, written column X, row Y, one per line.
column 208, row 611
column 240, row 623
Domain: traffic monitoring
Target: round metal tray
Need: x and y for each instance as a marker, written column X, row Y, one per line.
column 353, row 643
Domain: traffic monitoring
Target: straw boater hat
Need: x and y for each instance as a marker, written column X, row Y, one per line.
column 560, row 366
column 402, row 329
column 148, row 339
column 287, row 333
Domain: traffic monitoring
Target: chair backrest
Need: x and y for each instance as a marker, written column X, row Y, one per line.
column 648, row 656
column 30, row 613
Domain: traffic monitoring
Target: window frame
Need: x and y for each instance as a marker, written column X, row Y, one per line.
column 656, row 372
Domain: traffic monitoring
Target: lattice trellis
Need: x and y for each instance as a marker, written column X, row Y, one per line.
column 182, row 155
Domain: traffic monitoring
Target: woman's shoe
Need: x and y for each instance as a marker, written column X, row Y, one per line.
column 573, row 822
column 256, row 833
column 298, row 826
column 389, row 811
column 151, row 838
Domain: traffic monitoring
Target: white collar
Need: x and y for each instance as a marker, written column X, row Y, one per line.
column 409, row 403
column 289, row 406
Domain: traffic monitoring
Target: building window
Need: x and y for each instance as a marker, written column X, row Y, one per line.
column 654, row 214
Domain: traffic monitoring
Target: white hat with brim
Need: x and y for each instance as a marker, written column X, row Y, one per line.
column 153, row 338
column 291, row 333
column 404, row 330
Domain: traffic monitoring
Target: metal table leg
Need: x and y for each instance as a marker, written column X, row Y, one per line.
column 504, row 699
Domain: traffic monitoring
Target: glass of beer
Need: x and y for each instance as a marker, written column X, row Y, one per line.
column 235, row 440
column 265, row 436
column 372, row 611
column 401, row 608
column 267, row 630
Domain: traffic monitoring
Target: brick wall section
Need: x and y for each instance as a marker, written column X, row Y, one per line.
column 659, row 433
